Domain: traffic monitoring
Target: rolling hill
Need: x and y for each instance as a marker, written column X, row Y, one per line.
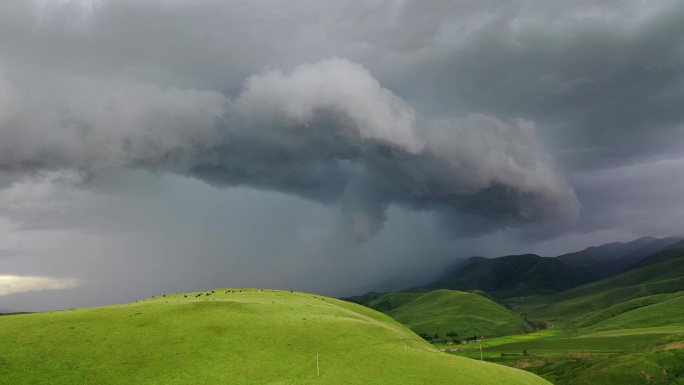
column 512, row 276
column 672, row 251
column 614, row 313
column 236, row 336
column 628, row 328
column 635, row 288
column 467, row 314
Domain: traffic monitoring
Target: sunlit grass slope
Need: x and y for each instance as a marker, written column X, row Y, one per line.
column 661, row 278
column 626, row 329
column 647, row 367
column 441, row 311
column 617, row 357
column 597, row 302
column 230, row 337
column 665, row 313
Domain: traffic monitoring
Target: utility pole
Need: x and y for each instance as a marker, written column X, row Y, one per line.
column 318, row 367
column 481, row 351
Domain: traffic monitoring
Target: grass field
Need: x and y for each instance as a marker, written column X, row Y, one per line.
column 632, row 356
column 664, row 313
column 441, row 311
column 230, row 336
column 627, row 329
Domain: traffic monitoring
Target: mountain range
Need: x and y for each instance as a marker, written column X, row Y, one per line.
column 529, row 274
column 609, row 314
column 614, row 258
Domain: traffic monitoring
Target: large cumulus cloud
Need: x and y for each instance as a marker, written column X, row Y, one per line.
column 326, row 131
column 443, row 115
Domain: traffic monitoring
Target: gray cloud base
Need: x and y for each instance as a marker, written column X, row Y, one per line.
column 326, row 131
column 93, row 93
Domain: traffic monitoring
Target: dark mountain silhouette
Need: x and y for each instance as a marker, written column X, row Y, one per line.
column 614, row 258
column 529, row 274
column 672, row 251
column 510, row 276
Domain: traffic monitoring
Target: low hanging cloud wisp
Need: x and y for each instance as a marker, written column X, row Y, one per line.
column 12, row 284
column 326, row 131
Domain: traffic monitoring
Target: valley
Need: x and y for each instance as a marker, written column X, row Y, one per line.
column 623, row 328
column 515, row 319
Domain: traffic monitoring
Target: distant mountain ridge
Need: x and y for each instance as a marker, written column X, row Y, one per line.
column 620, row 304
column 512, row 275
column 529, row 274
column 613, row 258
column 673, row 250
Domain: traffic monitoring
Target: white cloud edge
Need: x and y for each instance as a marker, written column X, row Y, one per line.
column 13, row 284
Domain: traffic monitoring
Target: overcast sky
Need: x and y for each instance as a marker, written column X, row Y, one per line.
column 159, row 146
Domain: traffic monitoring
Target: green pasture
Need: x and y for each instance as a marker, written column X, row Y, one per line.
column 230, row 336
column 647, row 367
column 467, row 314
column 664, row 313
column 631, row 356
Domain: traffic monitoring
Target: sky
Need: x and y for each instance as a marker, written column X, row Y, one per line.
column 151, row 147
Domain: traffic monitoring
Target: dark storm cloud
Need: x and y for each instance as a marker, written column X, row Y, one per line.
column 431, row 129
column 326, row 131
column 602, row 79
column 644, row 198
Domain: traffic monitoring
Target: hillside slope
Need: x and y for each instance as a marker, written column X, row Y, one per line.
column 599, row 301
column 668, row 311
column 672, row 251
column 230, row 336
column 511, row 276
column 613, row 258
column 467, row 314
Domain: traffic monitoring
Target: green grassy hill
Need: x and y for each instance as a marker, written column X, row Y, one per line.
column 609, row 297
column 442, row 311
column 665, row 310
column 624, row 329
column 230, row 336
column 628, row 328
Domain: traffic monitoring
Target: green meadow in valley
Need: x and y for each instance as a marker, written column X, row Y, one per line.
column 626, row 329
